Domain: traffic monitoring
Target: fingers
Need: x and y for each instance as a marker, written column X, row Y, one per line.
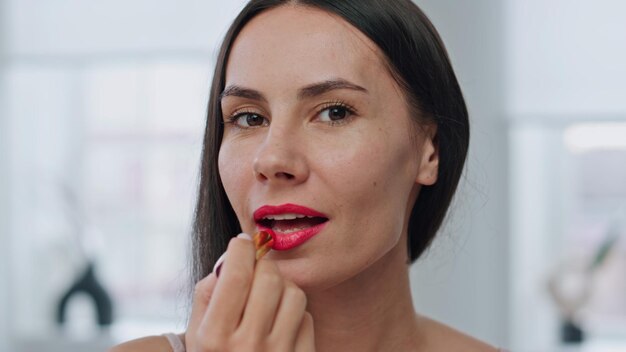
column 264, row 299
column 218, row 264
column 305, row 341
column 231, row 290
column 288, row 318
column 250, row 307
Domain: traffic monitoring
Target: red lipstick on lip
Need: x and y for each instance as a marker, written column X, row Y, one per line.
column 285, row 241
column 284, row 209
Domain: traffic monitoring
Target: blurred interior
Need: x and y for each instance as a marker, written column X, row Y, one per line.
column 101, row 118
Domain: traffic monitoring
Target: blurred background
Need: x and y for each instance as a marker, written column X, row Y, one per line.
column 102, row 109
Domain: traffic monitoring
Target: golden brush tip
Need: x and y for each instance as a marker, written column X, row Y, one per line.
column 263, row 242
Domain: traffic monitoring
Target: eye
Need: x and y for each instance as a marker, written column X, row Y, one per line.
column 248, row 120
column 335, row 113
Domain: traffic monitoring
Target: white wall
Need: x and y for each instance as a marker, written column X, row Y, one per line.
column 463, row 280
column 566, row 57
column 535, row 151
column 75, row 28
column 4, row 201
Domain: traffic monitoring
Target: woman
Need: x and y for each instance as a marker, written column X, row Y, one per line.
column 339, row 126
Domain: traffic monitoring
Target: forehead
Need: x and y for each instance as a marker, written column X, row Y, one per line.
column 291, row 46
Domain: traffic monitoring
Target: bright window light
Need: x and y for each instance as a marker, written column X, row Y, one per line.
column 585, row 137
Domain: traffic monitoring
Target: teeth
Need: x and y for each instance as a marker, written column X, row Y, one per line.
column 293, row 230
column 286, row 216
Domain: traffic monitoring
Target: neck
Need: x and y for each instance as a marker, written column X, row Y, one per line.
column 371, row 312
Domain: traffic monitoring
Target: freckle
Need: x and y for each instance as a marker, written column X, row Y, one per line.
column 375, row 184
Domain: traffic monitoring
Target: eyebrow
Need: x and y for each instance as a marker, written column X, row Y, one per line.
column 318, row 89
column 309, row 91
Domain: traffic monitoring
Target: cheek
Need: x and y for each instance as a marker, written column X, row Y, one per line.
column 372, row 181
column 232, row 175
column 368, row 184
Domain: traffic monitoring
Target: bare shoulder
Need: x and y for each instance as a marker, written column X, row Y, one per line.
column 144, row 344
column 440, row 337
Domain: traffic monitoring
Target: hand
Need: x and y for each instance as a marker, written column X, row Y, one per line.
column 250, row 308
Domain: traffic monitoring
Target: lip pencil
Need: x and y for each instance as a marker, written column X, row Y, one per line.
column 263, row 242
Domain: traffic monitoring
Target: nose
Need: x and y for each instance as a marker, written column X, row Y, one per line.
column 279, row 159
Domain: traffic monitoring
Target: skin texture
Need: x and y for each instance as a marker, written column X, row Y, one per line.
column 364, row 172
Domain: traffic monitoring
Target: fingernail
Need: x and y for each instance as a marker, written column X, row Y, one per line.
column 244, row 236
column 218, row 265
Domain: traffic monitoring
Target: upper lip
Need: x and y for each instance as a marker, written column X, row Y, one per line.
column 270, row 210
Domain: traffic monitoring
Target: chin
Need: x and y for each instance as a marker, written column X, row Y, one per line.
column 312, row 278
column 305, row 275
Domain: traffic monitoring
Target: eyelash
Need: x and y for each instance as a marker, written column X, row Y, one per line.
column 232, row 119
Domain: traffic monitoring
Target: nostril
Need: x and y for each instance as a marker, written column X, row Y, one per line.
column 284, row 175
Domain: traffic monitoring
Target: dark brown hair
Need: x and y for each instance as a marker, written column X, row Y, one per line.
column 418, row 61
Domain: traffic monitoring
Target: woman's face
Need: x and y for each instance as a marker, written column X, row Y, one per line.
column 314, row 118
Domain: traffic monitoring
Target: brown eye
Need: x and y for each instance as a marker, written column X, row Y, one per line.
column 248, row 120
column 335, row 113
column 254, row 120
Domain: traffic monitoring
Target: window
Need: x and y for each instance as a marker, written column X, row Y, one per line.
column 104, row 158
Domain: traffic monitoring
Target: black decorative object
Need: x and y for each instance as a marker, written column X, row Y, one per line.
column 88, row 284
column 571, row 332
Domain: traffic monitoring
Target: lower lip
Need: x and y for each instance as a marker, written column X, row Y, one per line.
column 286, row 241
